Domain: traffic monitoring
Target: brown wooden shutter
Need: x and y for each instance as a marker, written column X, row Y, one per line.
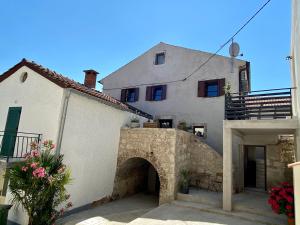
column 201, row 88
column 136, row 96
column 123, row 95
column 221, row 84
column 149, row 94
column 164, row 92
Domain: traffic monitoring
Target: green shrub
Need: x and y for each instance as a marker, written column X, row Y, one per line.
column 38, row 184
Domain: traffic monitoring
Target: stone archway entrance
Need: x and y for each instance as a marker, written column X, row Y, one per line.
column 136, row 175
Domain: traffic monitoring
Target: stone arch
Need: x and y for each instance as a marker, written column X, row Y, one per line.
column 125, row 162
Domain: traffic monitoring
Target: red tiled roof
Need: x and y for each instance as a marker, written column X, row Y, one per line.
column 63, row 82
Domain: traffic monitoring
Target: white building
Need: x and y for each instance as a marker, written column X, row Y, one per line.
column 166, row 82
column 36, row 103
column 295, row 69
column 281, row 108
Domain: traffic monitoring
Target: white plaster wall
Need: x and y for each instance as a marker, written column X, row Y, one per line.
column 182, row 102
column 90, row 144
column 296, row 170
column 295, row 65
column 295, row 52
column 41, row 101
column 39, row 98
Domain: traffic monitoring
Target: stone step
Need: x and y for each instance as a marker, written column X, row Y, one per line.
column 258, row 219
column 209, row 198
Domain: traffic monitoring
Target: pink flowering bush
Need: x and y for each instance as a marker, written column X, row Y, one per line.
column 282, row 199
column 38, row 184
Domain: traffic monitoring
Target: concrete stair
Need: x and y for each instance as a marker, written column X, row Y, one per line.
column 207, row 198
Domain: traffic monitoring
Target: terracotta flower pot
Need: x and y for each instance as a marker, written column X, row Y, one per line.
column 291, row 221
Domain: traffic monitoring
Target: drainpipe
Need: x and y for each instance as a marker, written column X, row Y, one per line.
column 63, row 119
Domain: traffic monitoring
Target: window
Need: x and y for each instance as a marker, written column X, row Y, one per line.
column 160, row 58
column 211, row 88
column 199, row 131
column 156, row 93
column 244, row 83
column 23, row 77
column 165, row 123
column 130, row 95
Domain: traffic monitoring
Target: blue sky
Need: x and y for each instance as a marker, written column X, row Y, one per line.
column 70, row 36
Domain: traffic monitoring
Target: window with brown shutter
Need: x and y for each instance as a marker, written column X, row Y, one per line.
column 149, row 94
column 201, row 88
column 136, row 97
column 123, row 95
column 211, row 88
column 130, row 95
column 156, row 93
column 164, row 92
column 221, row 83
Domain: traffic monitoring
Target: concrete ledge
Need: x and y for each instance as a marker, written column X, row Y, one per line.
column 261, row 124
column 294, row 164
column 203, row 197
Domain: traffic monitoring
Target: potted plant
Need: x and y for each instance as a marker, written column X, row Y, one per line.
column 184, row 181
column 227, row 89
column 38, row 184
column 182, row 125
column 135, row 122
column 282, row 201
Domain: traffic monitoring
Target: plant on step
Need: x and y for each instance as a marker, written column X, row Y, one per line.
column 227, row 89
column 184, row 181
column 282, row 199
column 38, row 184
column 182, row 125
column 135, row 119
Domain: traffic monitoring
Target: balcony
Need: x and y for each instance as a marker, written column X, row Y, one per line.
column 16, row 144
column 257, row 105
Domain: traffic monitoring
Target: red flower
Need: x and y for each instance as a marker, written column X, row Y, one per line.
column 289, row 199
column 288, row 207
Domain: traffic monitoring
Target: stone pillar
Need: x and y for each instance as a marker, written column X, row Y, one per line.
column 297, row 144
column 296, row 170
column 227, row 169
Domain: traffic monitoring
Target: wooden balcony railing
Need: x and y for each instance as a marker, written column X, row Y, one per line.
column 265, row 104
column 16, row 145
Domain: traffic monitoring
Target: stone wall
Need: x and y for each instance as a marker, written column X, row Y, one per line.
column 201, row 160
column 205, row 160
column 278, row 157
column 168, row 151
column 155, row 145
column 3, row 185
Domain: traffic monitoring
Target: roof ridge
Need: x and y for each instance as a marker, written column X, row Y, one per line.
column 64, row 82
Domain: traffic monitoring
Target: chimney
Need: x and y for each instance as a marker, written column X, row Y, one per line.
column 90, row 78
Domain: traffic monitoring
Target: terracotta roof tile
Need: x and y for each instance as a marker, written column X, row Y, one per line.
column 66, row 82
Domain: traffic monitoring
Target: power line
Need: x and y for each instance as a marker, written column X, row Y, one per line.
column 209, row 58
column 229, row 40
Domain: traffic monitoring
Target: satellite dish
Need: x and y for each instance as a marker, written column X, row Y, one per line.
column 234, row 49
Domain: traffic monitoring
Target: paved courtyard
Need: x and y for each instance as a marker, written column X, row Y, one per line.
column 143, row 210
column 118, row 212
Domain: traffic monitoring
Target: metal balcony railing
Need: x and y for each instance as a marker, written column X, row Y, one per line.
column 16, row 145
column 264, row 104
